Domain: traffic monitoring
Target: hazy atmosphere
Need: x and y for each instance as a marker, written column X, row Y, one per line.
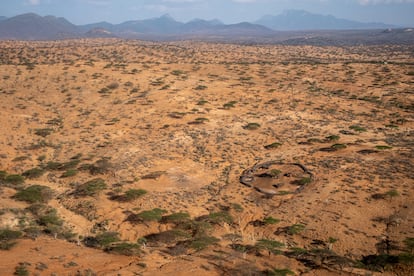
column 397, row 12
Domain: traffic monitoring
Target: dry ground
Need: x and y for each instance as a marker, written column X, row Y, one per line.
column 182, row 121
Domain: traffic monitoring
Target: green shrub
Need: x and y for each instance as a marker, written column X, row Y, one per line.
column 168, row 237
column 43, row 132
column 124, row 248
column 332, row 138
column 237, row 207
column 252, row 126
column 295, row 229
column 69, row 173
column 196, row 228
column 7, row 234
column 303, row 181
column 270, row 220
column 358, row 128
column 202, row 242
column 7, row 245
column 91, row 187
column 338, row 146
column 58, row 166
column 176, row 218
column 133, row 194
column 392, row 193
column 34, row 194
column 3, row 175
column 21, row 270
column 50, row 218
column 151, row 215
column 33, row 173
column 106, row 238
column 200, row 87
column 229, row 105
column 220, row 217
column 272, row 146
column 270, row 245
column 14, row 179
column 177, row 72
column 202, row 102
column 409, row 244
column 101, row 166
column 8, row 237
column 274, row 172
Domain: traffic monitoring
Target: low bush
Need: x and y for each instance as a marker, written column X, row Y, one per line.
column 35, row 194
column 33, row 173
column 176, row 218
column 91, row 187
column 8, row 237
column 252, row 126
column 151, row 215
column 124, row 248
column 270, row 245
column 14, row 179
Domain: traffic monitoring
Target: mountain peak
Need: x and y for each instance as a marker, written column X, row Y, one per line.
column 167, row 16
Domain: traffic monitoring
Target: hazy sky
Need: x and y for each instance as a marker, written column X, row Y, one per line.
column 400, row 12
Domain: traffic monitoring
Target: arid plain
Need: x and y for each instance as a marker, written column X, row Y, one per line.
column 126, row 157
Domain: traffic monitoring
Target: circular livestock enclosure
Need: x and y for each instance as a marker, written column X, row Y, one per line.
column 277, row 178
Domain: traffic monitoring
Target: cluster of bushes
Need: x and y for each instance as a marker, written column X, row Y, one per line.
column 111, row 243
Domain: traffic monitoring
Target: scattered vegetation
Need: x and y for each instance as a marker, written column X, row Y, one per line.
column 35, row 194
column 8, row 238
column 252, row 126
column 91, row 187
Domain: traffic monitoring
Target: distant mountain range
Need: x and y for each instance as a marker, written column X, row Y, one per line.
column 290, row 25
column 302, row 20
